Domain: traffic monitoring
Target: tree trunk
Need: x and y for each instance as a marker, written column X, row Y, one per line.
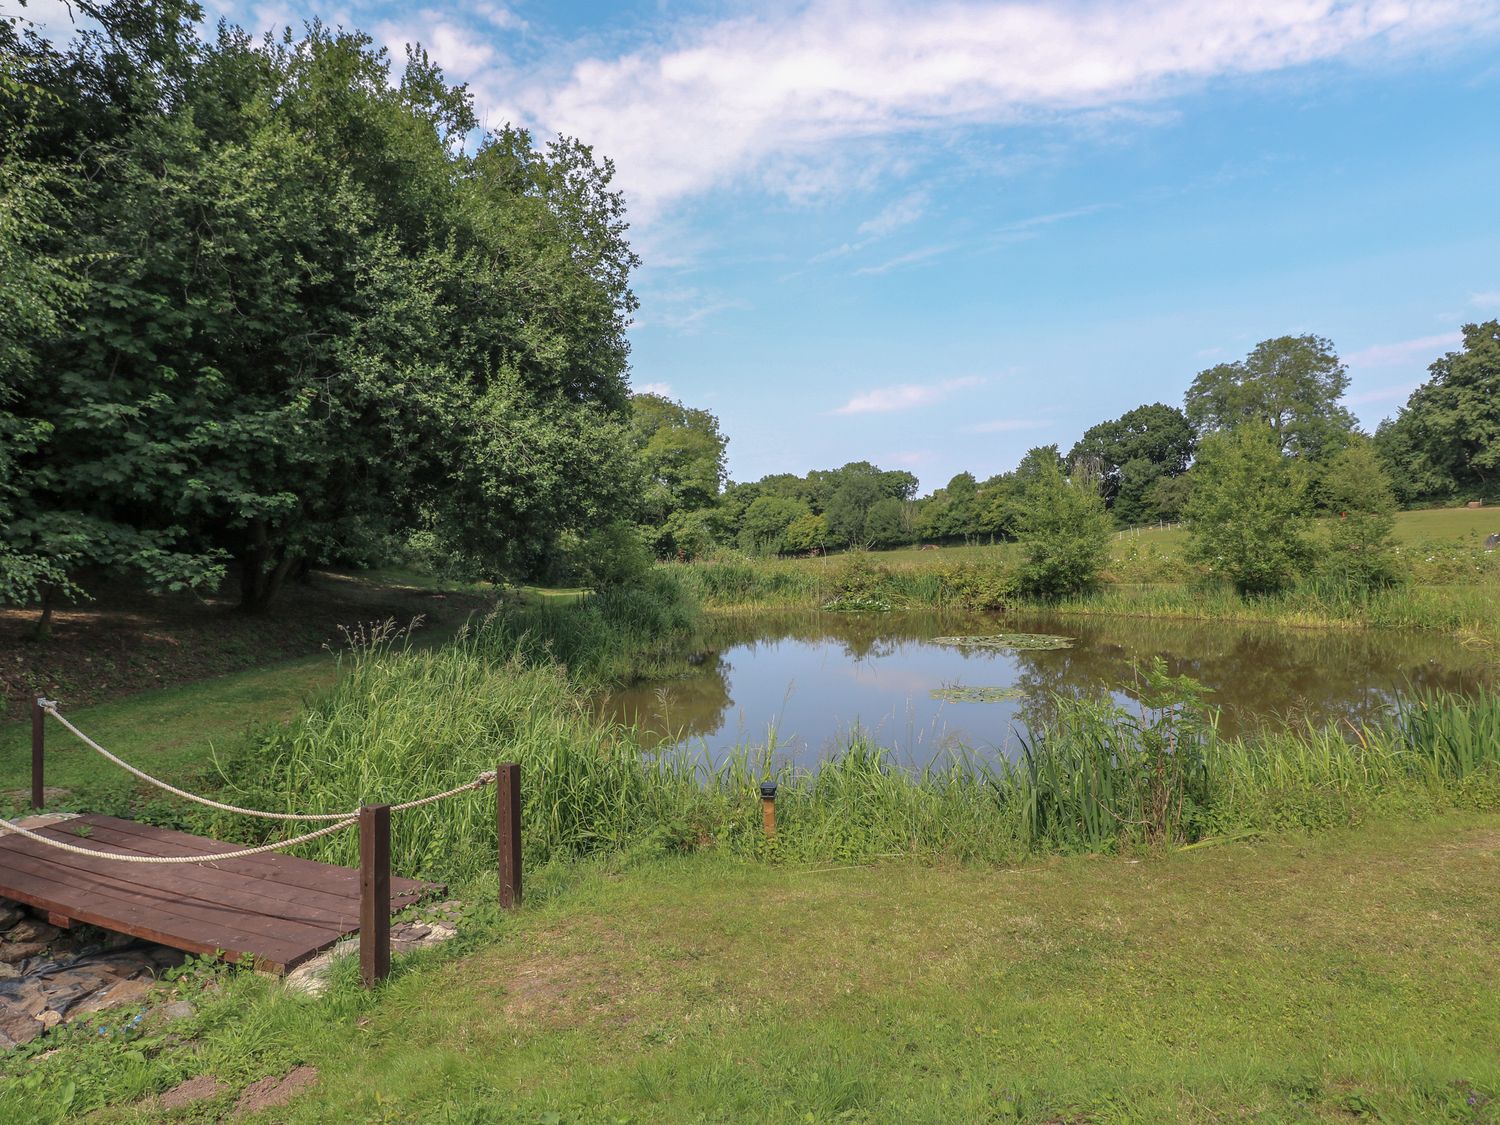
column 43, row 629
column 263, row 569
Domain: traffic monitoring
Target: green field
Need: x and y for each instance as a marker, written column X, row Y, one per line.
column 1328, row 979
column 1449, row 526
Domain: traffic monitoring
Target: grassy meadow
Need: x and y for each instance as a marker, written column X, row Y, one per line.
column 1451, row 583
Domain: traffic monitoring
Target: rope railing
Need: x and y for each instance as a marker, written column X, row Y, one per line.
column 486, row 777
column 342, row 819
column 374, row 822
column 277, row 845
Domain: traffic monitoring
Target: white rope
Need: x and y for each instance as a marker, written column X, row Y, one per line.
column 50, row 706
column 8, row 826
column 485, row 778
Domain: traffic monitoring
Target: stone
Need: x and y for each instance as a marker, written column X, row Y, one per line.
column 199, row 1089
column 8, row 971
column 32, row 930
column 19, row 1027
column 311, row 977
column 122, row 992
column 10, row 914
column 14, row 951
column 50, row 1019
column 176, row 1010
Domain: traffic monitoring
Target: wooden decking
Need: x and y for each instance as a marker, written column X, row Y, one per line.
column 279, row 909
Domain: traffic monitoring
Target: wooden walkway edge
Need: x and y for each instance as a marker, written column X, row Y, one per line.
column 278, row 909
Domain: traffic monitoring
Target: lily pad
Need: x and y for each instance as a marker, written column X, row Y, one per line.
column 1024, row 641
column 961, row 693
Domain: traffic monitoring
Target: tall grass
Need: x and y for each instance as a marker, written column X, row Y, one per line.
column 1468, row 611
column 402, row 723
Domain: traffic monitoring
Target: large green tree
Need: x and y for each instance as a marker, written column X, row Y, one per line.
column 1133, row 453
column 1064, row 529
column 1451, row 423
column 311, row 316
column 682, row 457
column 1290, row 384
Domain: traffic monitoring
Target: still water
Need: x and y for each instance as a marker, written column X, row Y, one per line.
column 808, row 680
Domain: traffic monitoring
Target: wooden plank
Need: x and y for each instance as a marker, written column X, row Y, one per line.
column 280, row 909
column 165, row 917
column 275, row 900
column 97, row 904
column 276, row 867
column 178, row 883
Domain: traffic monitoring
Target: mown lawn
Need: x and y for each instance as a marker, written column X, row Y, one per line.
column 1347, row 976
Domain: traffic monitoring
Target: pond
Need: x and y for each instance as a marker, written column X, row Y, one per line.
column 806, row 681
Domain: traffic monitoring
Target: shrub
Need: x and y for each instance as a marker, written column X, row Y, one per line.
column 1065, row 533
column 1248, row 514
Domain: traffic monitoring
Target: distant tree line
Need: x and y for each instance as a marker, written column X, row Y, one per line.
column 1259, row 446
column 266, row 303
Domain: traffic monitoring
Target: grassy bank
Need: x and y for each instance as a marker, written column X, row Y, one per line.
column 1344, row 976
column 1451, row 584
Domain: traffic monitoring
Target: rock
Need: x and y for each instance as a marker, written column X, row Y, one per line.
column 10, row 914
column 267, row 1093
column 50, row 1019
column 14, row 951
column 118, row 992
column 176, row 1010
column 199, row 1089
column 311, row 977
column 409, row 931
column 18, row 1027
column 32, row 930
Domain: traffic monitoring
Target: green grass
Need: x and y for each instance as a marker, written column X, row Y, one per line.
column 674, row 966
column 1453, row 586
column 1310, row 979
column 171, row 732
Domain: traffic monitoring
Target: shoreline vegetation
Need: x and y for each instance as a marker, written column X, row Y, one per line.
column 1447, row 585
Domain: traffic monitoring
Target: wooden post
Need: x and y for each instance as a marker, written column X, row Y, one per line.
column 374, row 893
column 508, row 829
column 38, row 736
column 768, row 808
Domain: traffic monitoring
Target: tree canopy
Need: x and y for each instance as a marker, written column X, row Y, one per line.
column 1290, row 384
column 1449, row 431
column 282, row 306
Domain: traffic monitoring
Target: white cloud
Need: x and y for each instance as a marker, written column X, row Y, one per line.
column 663, row 389
column 683, row 310
column 1485, row 300
column 1006, row 426
column 746, row 99
column 903, row 212
column 908, row 259
column 904, row 396
column 1424, row 348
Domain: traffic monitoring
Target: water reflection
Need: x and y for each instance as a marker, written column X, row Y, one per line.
column 808, row 679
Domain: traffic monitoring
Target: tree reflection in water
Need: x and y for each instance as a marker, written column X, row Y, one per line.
column 814, row 676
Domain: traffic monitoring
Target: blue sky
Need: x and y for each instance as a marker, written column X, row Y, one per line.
column 934, row 235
